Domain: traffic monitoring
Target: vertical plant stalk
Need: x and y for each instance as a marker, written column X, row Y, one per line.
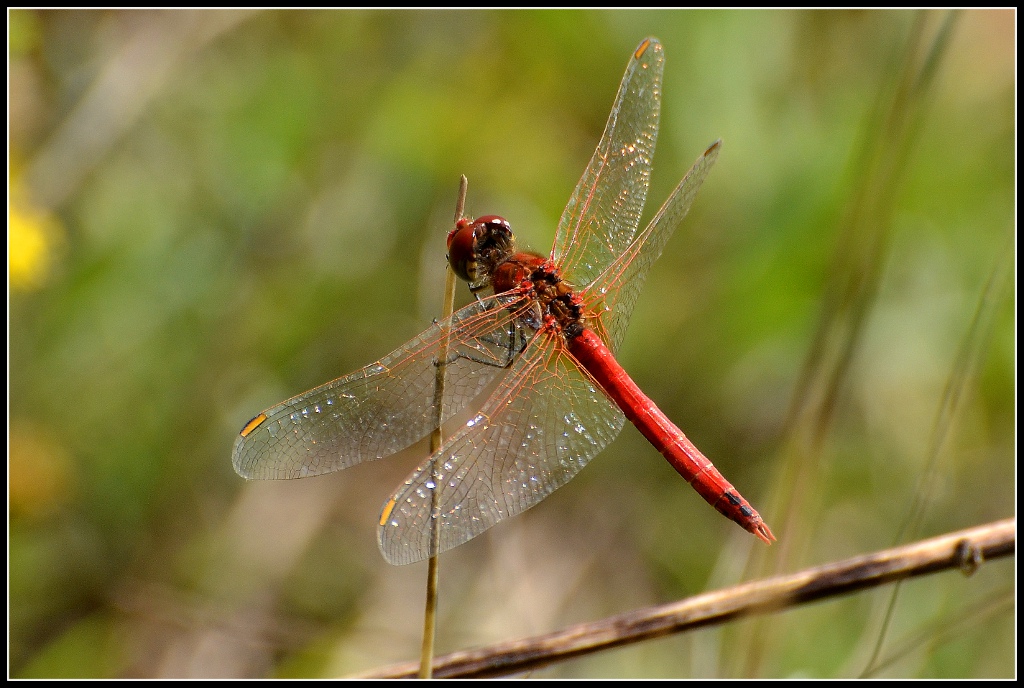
column 436, row 437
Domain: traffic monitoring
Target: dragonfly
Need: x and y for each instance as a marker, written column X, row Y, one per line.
column 540, row 336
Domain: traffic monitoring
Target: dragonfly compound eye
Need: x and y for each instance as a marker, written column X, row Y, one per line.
column 462, row 249
column 476, row 248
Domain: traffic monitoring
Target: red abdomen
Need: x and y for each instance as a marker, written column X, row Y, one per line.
column 690, row 463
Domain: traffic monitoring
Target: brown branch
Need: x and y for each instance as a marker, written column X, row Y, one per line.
column 964, row 550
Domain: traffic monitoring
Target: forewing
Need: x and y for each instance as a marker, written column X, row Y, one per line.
column 604, row 211
column 613, row 294
column 386, row 406
column 545, row 421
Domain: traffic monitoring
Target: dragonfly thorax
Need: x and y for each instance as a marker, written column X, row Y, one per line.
column 483, row 253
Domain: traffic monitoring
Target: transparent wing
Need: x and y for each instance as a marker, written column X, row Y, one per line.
column 545, row 421
column 604, row 211
column 613, row 294
column 386, row 406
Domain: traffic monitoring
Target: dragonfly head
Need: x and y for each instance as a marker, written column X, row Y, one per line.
column 476, row 247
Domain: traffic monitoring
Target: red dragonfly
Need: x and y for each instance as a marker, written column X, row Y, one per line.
column 548, row 328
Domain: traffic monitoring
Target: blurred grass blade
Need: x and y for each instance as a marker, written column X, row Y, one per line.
column 862, row 248
column 972, row 350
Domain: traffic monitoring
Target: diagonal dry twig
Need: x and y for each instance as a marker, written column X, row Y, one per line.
column 964, row 550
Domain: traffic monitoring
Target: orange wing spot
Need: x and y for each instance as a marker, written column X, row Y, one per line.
column 640, row 51
column 388, row 508
column 253, row 424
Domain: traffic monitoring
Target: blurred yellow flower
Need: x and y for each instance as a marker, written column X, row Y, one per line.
column 39, row 471
column 33, row 235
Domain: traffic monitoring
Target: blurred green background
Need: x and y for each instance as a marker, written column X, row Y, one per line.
column 212, row 211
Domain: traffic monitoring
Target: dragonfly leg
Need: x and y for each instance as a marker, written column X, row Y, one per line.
column 505, row 349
